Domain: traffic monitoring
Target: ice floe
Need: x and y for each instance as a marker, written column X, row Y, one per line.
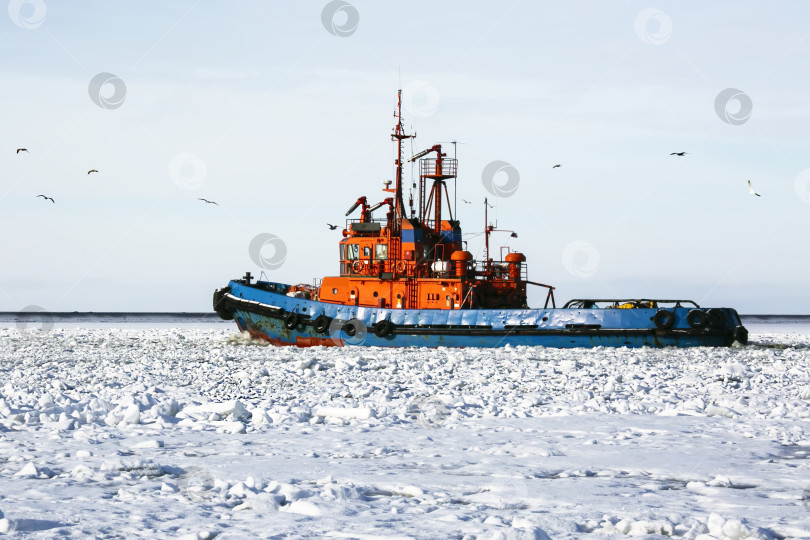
column 199, row 433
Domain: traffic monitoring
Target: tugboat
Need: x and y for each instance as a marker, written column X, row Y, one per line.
column 407, row 280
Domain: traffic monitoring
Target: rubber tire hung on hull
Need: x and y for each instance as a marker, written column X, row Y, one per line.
column 219, row 304
column 291, row 320
column 351, row 327
column 383, row 328
column 321, row 323
column 715, row 318
column 696, row 318
column 664, row 319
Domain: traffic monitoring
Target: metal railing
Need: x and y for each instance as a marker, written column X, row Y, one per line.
column 427, row 168
column 502, row 270
column 630, row 303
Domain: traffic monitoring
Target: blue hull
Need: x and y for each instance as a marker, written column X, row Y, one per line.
column 284, row 320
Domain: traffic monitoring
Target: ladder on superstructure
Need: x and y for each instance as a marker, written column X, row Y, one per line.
column 413, row 292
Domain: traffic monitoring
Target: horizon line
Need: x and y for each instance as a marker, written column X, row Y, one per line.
column 210, row 313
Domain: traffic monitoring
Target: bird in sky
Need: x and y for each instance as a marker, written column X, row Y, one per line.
column 680, row 154
column 91, row 171
column 49, row 198
column 207, row 201
column 751, row 189
column 331, row 227
column 557, row 165
column 465, row 201
column 22, row 150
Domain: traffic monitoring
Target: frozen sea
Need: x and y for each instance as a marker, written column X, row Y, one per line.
column 177, row 426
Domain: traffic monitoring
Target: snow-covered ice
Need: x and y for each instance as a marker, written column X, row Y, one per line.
column 199, row 432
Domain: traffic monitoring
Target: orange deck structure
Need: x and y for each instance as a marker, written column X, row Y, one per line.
column 417, row 259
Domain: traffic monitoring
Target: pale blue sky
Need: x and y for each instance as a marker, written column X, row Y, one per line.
column 292, row 124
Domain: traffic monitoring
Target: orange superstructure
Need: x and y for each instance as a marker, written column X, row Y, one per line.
column 418, row 260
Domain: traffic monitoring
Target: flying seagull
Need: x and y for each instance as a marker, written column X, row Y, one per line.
column 680, row 154
column 751, row 190
column 49, row 198
column 557, row 165
column 91, row 170
column 465, row 201
column 22, row 150
column 207, row 201
column 331, row 227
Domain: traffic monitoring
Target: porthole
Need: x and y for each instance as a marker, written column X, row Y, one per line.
column 334, row 291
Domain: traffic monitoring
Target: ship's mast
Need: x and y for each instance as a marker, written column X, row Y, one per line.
column 399, row 135
column 486, row 237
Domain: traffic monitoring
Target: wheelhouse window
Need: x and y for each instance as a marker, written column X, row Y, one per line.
column 381, row 252
column 352, row 251
column 366, row 252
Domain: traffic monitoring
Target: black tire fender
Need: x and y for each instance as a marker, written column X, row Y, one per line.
column 219, row 304
column 383, row 328
column 350, row 328
column 664, row 319
column 291, row 320
column 696, row 318
column 321, row 323
column 716, row 318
